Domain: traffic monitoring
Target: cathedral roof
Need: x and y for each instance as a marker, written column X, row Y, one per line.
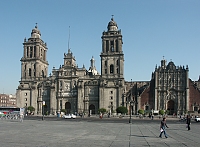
column 112, row 25
column 171, row 65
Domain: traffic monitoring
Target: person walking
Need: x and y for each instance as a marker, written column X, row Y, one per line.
column 188, row 122
column 162, row 128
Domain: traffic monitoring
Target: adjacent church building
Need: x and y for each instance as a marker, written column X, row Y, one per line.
column 80, row 90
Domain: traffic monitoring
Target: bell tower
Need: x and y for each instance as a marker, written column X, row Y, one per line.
column 112, row 57
column 34, row 69
column 112, row 68
column 33, row 63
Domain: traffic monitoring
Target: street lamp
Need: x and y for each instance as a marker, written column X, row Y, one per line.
column 43, row 103
column 131, row 104
column 61, row 101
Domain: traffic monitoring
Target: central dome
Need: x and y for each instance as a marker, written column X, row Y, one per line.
column 112, row 25
column 35, row 33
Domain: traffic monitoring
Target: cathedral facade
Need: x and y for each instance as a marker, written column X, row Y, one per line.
column 80, row 90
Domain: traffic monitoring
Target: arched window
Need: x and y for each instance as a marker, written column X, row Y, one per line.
column 31, row 52
column 42, row 73
column 106, row 63
column 195, row 108
column 117, row 62
column 116, row 42
column 112, row 46
column 34, row 51
column 27, row 52
column 107, row 45
column 112, row 49
column 105, row 71
column 111, row 68
column 29, row 72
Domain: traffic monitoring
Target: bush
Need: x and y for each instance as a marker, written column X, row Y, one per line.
column 102, row 110
column 161, row 112
column 63, row 110
column 122, row 110
column 141, row 111
column 167, row 112
column 31, row 108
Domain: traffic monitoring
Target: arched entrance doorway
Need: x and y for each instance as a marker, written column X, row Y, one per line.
column 68, row 107
column 92, row 109
column 170, row 107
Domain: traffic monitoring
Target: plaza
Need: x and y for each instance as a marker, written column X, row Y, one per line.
column 95, row 132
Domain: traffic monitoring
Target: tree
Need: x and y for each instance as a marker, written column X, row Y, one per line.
column 31, row 109
column 122, row 110
column 141, row 111
column 102, row 110
column 167, row 112
column 63, row 110
column 161, row 112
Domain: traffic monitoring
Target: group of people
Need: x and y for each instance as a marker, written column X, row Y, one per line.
column 163, row 126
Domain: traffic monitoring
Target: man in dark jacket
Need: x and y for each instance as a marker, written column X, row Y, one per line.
column 188, row 122
column 162, row 128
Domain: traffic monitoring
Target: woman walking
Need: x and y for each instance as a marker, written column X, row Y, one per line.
column 162, row 128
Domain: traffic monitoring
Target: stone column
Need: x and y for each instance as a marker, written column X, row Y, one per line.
column 104, row 46
column 40, row 108
column 58, row 105
column 25, row 51
column 187, row 91
column 155, row 92
column 119, row 45
column 52, row 102
column 45, row 55
column 37, row 51
column 29, row 51
column 33, row 51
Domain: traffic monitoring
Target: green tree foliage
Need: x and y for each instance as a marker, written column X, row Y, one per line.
column 122, row 110
column 167, row 112
column 161, row 112
column 141, row 111
column 63, row 110
column 31, row 108
column 102, row 110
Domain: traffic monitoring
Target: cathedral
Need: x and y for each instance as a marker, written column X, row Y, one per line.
column 80, row 90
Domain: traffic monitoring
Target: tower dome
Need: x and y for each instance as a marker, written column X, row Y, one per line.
column 112, row 25
column 35, row 32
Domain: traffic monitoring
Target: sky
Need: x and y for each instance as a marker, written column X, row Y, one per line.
column 150, row 30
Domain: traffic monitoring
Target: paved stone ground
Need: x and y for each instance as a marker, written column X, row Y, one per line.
column 78, row 133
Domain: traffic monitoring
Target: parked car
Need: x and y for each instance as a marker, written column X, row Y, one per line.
column 197, row 119
column 69, row 116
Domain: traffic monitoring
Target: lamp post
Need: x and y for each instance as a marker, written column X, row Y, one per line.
column 130, row 103
column 61, row 100
column 43, row 103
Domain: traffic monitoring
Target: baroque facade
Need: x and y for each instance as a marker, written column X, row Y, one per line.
column 79, row 90
column 170, row 88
